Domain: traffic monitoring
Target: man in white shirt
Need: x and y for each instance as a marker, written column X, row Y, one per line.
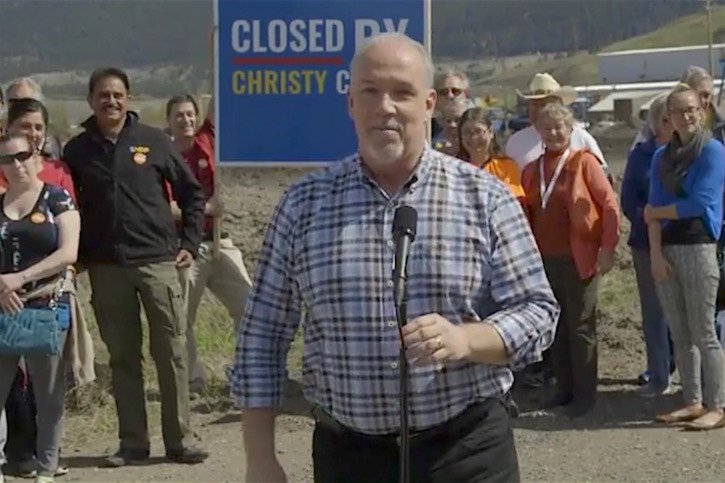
column 525, row 145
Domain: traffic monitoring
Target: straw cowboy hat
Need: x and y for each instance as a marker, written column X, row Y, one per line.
column 544, row 85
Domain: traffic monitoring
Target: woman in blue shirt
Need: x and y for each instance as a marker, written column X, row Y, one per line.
column 634, row 197
column 684, row 218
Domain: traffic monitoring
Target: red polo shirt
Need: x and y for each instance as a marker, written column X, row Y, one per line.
column 200, row 158
column 54, row 172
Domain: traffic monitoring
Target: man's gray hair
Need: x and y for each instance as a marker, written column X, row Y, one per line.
column 26, row 82
column 694, row 75
column 442, row 75
column 377, row 39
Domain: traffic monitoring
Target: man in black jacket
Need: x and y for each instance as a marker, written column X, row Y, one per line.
column 129, row 243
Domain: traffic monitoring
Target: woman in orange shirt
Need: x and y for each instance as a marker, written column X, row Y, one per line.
column 479, row 146
column 575, row 220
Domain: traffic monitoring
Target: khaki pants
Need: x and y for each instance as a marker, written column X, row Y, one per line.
column 116, row 293
column 227, row 278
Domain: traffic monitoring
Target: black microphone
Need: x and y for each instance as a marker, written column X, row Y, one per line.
column 405, row 222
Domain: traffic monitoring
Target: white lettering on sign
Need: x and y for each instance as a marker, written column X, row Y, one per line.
column 342, row 81
column 366, row 28
column 278, row 36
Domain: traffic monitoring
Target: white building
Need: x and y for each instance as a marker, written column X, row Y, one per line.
column 640, row 94
column 652, row 65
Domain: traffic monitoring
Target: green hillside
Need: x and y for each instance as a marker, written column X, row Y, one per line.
column 690, row 30
column 581, row 69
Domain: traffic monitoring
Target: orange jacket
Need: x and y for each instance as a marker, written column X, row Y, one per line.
column 507, row 171
column 593, row 209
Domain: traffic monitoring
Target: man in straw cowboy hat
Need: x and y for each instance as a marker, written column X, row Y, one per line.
column 525, row 146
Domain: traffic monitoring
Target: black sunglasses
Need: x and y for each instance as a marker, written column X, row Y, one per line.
column 19, row 99
column 456, row 91
column 22, row 156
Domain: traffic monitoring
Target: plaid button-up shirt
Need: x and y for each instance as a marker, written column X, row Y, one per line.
column 328, row 254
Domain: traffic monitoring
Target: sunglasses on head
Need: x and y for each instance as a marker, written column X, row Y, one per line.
column 22, row 156
column 444, row 91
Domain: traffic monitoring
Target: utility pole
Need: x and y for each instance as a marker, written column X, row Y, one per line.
column 708, row 9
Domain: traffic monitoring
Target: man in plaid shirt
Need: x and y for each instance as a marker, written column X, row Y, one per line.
column 479, row 303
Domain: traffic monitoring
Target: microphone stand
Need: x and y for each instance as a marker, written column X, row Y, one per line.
column 404, row 437
column 404, row 228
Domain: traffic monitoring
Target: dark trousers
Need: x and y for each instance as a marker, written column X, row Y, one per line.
column 20, row 410
column 574, row 352
column 118, row 293
column 476, row 446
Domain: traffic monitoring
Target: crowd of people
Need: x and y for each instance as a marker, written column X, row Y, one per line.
column 467, row 267
column 675, row 230
column 134, row 207
column 512, row 242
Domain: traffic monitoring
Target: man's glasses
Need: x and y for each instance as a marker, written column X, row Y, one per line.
column 22, row 156
column 444, row 91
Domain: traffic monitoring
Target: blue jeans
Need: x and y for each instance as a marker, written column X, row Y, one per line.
column 654, row 325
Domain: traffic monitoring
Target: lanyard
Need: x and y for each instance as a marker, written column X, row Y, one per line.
column 545, row 189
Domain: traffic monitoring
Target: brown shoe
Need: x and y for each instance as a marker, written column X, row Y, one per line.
column 703, row 426
column 680, row 416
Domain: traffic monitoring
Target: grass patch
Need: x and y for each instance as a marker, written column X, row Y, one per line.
column 93, row 404
column 689, row 30
column 618, row 289
column 216, row 343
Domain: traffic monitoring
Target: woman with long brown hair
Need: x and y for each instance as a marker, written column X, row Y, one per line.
column 684, row 218
column 478, row 144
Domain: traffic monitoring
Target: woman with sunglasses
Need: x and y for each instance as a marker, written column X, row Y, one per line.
column 39, row 231
column 30, row 117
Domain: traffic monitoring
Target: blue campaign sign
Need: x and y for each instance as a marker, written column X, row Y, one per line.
column 282, row 74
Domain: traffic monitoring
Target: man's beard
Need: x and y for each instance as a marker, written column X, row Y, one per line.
column 389, row 153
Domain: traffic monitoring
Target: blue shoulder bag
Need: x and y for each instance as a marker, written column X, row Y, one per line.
column 35, row 331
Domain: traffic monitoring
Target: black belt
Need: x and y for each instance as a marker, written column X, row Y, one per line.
column 449, row 429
